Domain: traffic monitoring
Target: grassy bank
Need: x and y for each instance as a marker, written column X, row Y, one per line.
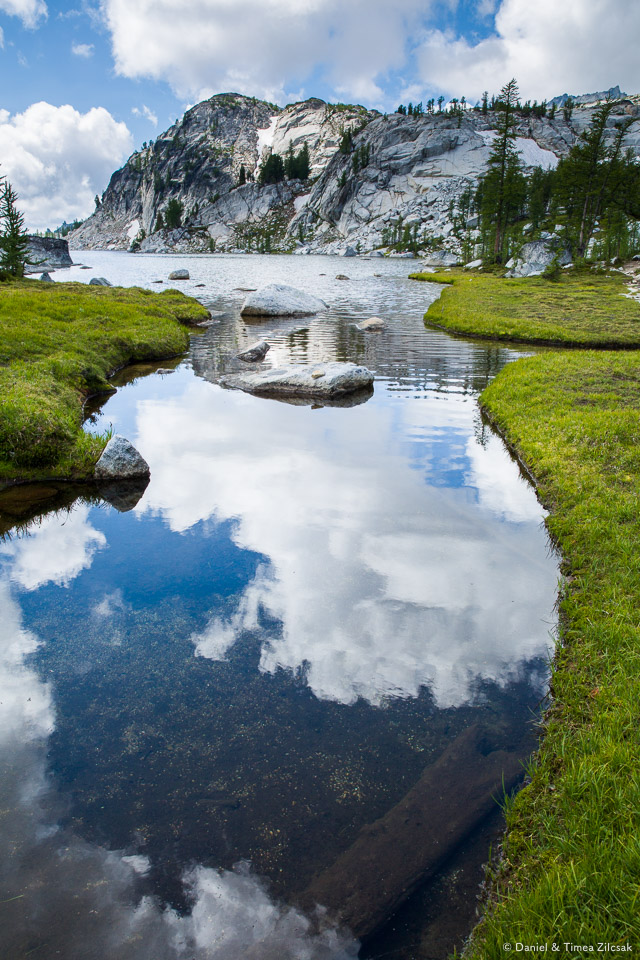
column 58, row 344
column 580, row 309
column 571, row 868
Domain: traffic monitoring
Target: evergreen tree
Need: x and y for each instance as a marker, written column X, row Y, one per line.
column 159, row 223
column 502, row 189
column 242, row 179
column 14, row 241
column 272, row 170
column 173, row 214
column 597, row 175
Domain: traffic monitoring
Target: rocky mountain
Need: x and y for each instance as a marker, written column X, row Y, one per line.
column 372, row 177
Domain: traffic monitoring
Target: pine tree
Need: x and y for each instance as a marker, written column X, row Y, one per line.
column 502, row 189
column 242, row 179
column 14, row 241
column 173, row 214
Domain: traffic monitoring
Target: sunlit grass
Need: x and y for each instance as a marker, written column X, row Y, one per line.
column 581, row 309
column 571, row 867
column 58, row 344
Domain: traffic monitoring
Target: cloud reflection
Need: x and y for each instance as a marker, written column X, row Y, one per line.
column 381, row 583
column 69, row 898
column 55, row 549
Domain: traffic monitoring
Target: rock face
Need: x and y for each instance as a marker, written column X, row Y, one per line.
column 48, row 253
column 120, row 460
column 257, row 351
column 281, row 300
column 396, row 172
column 319, row 382
column 179, row 275
column 536, row 256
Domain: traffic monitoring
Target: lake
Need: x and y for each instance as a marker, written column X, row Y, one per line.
column 206, row 698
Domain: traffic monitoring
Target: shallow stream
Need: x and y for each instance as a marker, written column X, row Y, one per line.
column 205, row 699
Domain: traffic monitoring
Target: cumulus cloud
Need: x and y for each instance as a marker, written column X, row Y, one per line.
column 257, row 47
column 549, row 47
column 58, row 159
column 29, row 11
column 82, row 50
column 147, row 113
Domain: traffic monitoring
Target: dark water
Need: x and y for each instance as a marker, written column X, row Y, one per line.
column 205, row 698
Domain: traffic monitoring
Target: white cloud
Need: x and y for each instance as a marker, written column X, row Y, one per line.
column 549, row 47
column 261, row 46
column 147, row 113
column 58, row 159
column 29, row 11
column 82, row 50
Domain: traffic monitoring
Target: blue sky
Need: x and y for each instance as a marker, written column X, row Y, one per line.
column 82, row 84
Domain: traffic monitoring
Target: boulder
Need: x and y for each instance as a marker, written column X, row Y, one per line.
column 257, row 351
column 536, row 256
column 99, row 282
column 317, row 382
column 441, row 258
column 120, row 459
column 179, row 275
column 473, row 264
column 349, row 252
column 45, row 277
column 47, row 253
column 281, row 300
column 341, row 276
column 376, row 253
column 372, row 324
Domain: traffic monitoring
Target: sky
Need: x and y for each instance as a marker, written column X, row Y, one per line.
column 85, row 82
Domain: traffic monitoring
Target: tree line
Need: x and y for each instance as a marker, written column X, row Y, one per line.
column 593, row 195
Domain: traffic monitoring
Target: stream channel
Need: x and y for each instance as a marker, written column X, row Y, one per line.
column 312, row 619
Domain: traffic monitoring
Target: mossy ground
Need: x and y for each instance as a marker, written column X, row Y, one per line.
column 58, row 343
column 571, row 866
column 582, row 308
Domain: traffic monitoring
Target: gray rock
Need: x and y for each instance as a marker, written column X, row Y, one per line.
column 319, row 381
column 46, row 278
column 47, row 253
column 124, row 495
column 179, row 275
column 376, row 253
column 257, row 351
column 349, row 252
column 281, row 300
column 120, row 459
column 441, row 258
column 535, row 256
column 341, row 276
column 473, row 264
column 99, row 282
column 372, row 324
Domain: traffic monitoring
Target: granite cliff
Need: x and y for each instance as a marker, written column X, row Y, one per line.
column 371, row 175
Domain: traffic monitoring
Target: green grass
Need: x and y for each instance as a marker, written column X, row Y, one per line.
column 581, row 309
column 58, row 344
column 571, row 867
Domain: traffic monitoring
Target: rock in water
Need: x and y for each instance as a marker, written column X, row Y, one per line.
column 45, row 277
column 322, row 381
column 349, row 252
column 373, row 324
column 120, row 459
column 281, row 300
column 47, row 253
column 179, row 275
column 257, row 351
column 341, row 276
column 99, row 282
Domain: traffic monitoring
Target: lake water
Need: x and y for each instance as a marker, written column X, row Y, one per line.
column 204, row 699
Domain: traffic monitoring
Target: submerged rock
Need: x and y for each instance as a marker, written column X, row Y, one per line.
column 257, row 351
column 281, row 300
column 322, row 381
column 120, row 459
column 179, row 275
column 372, row 324
column 99, row 282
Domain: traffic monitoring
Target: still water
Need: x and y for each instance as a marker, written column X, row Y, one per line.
column 205, row 698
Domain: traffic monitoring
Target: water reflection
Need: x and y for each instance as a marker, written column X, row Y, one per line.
column 379, row 581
